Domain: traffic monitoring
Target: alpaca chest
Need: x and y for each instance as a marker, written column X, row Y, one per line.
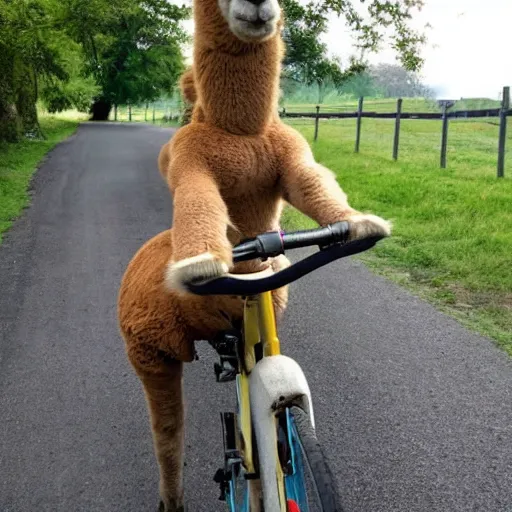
column 243, row 169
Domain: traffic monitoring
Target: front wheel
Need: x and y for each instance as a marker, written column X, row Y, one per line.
column 309, row 483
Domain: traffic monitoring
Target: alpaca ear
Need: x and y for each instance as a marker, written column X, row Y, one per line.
column 187, row 86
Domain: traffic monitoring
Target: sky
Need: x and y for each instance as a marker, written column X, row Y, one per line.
column 467, row 54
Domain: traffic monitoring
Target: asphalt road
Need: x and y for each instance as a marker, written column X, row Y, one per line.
column 414, row 411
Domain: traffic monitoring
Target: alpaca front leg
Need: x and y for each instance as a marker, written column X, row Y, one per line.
column 164, row 396
column 313, row 190
column 200, row 242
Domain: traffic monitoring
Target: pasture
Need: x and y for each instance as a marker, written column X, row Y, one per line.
column 452, row 240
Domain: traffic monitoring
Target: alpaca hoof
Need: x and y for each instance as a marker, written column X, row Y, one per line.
column 367, row 225
column 197, row 269
column 163, row 508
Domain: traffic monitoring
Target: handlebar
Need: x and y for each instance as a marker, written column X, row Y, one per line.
column 274, row 243
column 333, row 244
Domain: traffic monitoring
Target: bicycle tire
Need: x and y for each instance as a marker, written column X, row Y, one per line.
column 315, row 464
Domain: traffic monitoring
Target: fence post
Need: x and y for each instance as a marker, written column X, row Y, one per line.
column 444, row 138
column 146, row 112
column 317, row 119
column 397, row 128
column 505, row 105
column 358, row 126
column 115, row 112
column 129, row 113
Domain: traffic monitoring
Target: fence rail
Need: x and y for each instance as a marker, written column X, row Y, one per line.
column 502, row 113
column 466, row 114
column 167, row 111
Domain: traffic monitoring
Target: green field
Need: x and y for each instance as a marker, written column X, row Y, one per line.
column 452, row 240
column 18, row 163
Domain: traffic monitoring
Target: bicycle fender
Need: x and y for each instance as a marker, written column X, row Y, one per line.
column 274, row 383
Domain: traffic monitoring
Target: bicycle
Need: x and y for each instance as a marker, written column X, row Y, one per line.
column 272, row 459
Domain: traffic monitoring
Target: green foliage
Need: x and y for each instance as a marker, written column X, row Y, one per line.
column 397, row 82
column 29, row 44
column 373, row 24
column 452, row 238
column 306, row 58
column 361, row 85
column 71, row 52
column 77, row 91
column 132, row 48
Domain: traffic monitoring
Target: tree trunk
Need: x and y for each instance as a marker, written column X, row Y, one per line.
column 28, row 113
column 18, row 97
column 100, row 110
column 10, row 123
column 26, row 105
column 11, row 129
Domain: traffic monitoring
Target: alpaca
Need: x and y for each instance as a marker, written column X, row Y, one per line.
column 229, row 172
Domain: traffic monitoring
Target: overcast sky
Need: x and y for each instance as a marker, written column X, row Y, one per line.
column 467, row 54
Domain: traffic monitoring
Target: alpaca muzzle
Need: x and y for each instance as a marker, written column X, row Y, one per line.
column 253, row 20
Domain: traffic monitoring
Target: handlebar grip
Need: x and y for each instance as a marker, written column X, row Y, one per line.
column 266, row 245
column 341, row 231
column 329, row 235
column 274, row 243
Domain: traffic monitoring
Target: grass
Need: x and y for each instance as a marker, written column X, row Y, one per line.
column 452, row 241
column 18, row 163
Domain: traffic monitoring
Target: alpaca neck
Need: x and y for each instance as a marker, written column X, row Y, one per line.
column 237, row 82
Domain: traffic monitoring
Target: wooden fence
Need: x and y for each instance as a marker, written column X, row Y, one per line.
column 502, row 113
column 151, row 113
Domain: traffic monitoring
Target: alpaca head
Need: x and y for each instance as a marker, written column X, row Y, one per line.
column 252, row 20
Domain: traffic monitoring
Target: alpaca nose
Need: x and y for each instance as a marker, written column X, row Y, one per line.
column 256, row 2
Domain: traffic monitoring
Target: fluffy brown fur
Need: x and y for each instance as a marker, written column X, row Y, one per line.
column 188, row 92
column 229, row 172
column 187, row 86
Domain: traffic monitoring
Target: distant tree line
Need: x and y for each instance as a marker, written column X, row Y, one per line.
column 388, row 81
column 379, row 81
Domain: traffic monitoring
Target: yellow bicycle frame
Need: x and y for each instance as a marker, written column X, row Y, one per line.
column 259, row 326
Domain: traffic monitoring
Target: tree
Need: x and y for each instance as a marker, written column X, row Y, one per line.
column 306, row 59
column 384, row 21
column 29, row 44
column 395, row 81
column 71, row 52
column 132, row 48
column 77, row 91
column 361, row 85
